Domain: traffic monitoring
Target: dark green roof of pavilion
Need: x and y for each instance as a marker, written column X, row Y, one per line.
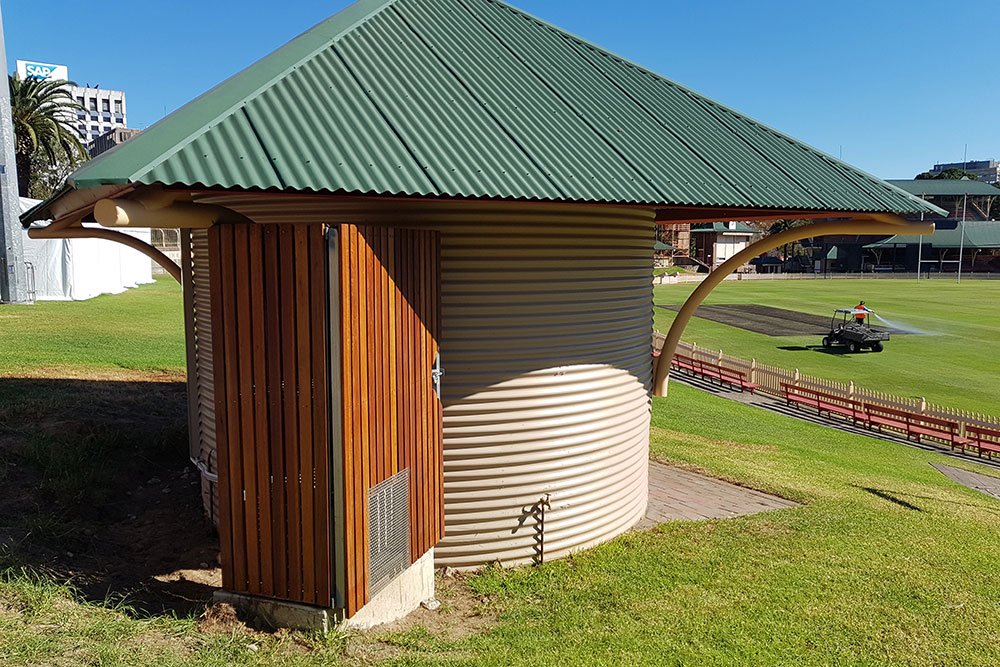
column 476, row 99
column 978, row 234
column 945, row 187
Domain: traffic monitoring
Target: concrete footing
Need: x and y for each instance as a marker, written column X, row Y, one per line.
column 399, row 598
column 280, row 613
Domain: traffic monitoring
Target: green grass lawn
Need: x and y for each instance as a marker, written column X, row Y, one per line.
column 885, row 562
column 955, row 368
column 848, row 578
column 670, row 271
column 140, row 329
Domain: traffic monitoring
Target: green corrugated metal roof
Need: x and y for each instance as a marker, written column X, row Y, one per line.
column 722, row 227
column 473, row 98
column 944, row 187
column 978, row 234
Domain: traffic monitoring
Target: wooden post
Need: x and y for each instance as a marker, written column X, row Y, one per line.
column 753, row 370
column 850, row 389
column 795, row 377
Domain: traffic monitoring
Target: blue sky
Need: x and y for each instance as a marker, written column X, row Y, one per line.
column 893, row 86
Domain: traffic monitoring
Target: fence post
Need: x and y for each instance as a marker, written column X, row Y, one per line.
column 795, row 377
column 718, row 358
column 753, row 371
column 923, row 405
column 850, row 390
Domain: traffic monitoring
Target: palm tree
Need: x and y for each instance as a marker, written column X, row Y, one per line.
column 42, row 111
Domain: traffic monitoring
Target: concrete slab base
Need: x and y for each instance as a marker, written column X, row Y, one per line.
column 280, row 613
column 399, row 598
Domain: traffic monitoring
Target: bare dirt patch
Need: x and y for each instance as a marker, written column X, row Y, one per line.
column 220, row 618
column 98, row 491
column 462, row 613
column 99, row 375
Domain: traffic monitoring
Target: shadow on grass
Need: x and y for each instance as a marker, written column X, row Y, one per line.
column 98, row 492
column 885, row 495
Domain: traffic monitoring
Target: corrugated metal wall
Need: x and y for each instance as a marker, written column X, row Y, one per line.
column 546, row 330
column 201, row 376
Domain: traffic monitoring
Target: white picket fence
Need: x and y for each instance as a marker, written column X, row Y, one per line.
column 770, row 378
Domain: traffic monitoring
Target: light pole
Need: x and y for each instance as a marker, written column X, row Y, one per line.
column 13, row 282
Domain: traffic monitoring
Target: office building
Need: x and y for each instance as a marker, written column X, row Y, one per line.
column 110, row 139
column 104, row 110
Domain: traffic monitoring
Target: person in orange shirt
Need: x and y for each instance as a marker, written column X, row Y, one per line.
column 859, row 317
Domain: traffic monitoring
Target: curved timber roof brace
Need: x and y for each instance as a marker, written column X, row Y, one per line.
column 73, row 229
column 156, row 210
column 875, row 223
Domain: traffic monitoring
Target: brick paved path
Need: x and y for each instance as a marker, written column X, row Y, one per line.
column 973, row 480
column 680, row 494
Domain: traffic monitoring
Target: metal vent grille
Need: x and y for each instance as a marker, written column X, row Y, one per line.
column 388, row 530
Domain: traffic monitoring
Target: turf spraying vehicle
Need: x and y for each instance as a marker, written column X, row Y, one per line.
column 846, row 328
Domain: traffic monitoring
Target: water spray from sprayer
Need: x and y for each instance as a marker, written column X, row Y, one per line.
column 898, row 326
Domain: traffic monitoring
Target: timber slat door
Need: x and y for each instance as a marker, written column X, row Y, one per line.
column 390, row 323
column 269, row 320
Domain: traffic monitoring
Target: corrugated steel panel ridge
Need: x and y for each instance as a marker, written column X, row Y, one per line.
column 476, row 99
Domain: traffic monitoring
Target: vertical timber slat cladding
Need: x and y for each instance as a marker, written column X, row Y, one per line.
column 318, row 300
column 270, row 357
column 260, row 425
column 391, row 415
column 247, row 452
column 289, row 403
column 276, row 427
column 546, row 315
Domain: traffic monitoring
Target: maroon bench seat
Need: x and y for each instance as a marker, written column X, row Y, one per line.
column 823, row 401
column 915, row 424
column 734, row 378
column 983, row 439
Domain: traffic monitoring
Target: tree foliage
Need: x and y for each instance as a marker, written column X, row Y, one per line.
column 950, row 174
column 45, row 177
column 777, row 226
column 42, row 112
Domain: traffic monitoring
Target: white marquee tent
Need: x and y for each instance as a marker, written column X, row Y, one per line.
column 79, row 269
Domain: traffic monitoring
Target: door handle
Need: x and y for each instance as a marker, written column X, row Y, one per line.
column 436, row 373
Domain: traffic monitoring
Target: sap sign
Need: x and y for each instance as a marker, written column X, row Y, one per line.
column 45, row 71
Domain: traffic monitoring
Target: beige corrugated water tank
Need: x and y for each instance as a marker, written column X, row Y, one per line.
column 546, row 328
